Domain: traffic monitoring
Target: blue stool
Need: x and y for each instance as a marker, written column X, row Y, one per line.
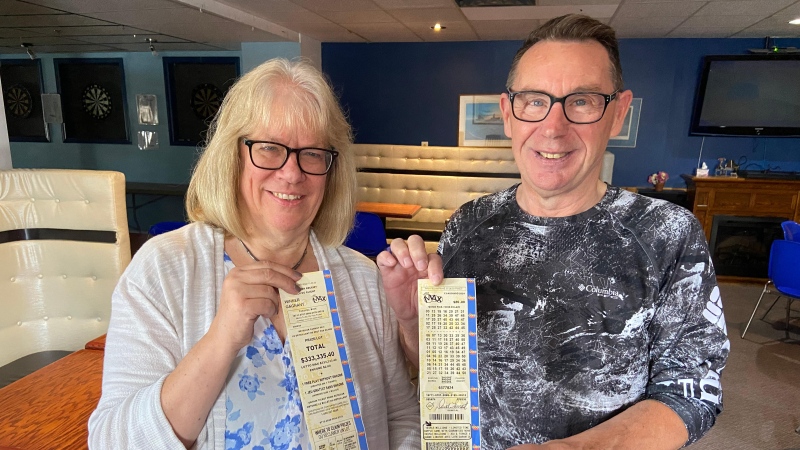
column 163, row 227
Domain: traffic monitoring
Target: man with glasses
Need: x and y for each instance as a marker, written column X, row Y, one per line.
column 599, row 319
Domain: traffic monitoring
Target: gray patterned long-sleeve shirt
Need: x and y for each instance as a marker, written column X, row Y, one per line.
column 580, row 317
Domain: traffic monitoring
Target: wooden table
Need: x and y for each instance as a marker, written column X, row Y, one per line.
column 398, row 210
column 49, row 409
column 95, row 344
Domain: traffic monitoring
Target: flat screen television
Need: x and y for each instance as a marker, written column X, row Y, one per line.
column 748, row 95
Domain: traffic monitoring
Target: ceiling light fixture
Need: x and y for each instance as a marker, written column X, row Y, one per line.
column 438, row 27
column 152, row 47
column 27, row 46
column 795, row 21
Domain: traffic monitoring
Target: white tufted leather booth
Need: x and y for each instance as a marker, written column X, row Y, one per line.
column 56, row 294
column 445, row 178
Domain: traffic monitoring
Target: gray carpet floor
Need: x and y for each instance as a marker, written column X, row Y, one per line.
column 761, row 383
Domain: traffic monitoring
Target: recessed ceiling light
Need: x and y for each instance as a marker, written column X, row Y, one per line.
column 795, row 21
column 438, row 27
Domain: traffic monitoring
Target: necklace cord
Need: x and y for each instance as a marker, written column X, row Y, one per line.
column 294, row 267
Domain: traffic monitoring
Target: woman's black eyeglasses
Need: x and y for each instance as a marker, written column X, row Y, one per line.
column 273, row 155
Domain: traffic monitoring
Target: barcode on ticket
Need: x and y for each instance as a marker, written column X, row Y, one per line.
column 446, row 416
column 447, row 446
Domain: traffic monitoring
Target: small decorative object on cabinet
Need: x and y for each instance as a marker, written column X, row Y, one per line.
column 658, row 179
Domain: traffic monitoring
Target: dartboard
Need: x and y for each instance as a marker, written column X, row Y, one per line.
column 96, row 101
column 206, row 99
column 18, row 101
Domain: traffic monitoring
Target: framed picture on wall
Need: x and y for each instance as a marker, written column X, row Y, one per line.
column 480, row 123
column 630, row 127
column 94, row 103
column 195, row 89
column 22, row 100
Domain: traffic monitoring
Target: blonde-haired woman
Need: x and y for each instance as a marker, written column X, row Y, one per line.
column 272, row 196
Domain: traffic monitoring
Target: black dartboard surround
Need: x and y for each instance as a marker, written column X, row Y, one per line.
column 18, row 101
column 196, row 88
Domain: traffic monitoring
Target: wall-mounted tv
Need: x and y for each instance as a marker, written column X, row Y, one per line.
column 748, row 95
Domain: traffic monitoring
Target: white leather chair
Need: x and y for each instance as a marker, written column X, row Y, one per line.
column 63, row 245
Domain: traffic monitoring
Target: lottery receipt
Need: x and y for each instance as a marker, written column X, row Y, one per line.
column 448, row 371
column 323, row 373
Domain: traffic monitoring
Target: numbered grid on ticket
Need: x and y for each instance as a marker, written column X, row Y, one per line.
column 450, row 415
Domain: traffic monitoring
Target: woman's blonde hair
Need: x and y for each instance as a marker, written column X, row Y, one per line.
column 277, row 95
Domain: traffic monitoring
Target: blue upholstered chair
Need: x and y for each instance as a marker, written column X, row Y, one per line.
column 368, row 235
column 791, row 230
column 163, row 227
column 784, row 275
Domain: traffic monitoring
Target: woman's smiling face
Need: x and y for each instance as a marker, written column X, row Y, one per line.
column 285, row 200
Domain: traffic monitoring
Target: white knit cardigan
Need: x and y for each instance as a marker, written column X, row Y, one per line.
column 165, row 302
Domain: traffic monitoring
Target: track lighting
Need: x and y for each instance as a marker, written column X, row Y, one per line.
column 27, row 46
column 152, row 47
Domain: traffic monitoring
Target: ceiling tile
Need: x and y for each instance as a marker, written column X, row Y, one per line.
column 652, row 10
column 293, row 17
column 771, row 26
column 128, row 39
column 575, row 2
column 455, row 31
column 319, row 31
column 90, row 6
column 402, row 4
column 168, row 47
column 645, row 30
column 13, row 32
column 429, row 15
column 147, row 17
column 85, row 31
column 48, row 20
column 383, row 32
column 263, row 8
column 755, row 8
column 377, row 20
column 12, row 7
column 37, row 41
column 368, row 16
column 737, row 22
column 80, row 48
column 505, row 29
column 338, row 5
column 699, row 2
column 704, row 32
column 633, row 23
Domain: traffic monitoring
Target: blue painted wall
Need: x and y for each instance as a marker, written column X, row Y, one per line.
column 408, row 93
column 144, row 74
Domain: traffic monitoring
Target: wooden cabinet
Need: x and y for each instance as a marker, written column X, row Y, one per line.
column 752, row 198
column 710, row 196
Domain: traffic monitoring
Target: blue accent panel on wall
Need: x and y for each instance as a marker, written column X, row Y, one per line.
column 408, row 93
column 405, row 93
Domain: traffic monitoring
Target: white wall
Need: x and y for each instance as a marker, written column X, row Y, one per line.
column 312, row 50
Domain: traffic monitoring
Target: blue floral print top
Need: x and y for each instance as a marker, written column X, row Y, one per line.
column 262, row 399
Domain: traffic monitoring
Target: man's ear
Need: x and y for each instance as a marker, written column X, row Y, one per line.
column 621, row 107
column 505, row 109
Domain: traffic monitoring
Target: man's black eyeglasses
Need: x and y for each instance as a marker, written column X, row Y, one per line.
column 273, row 155
column 579, row 107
